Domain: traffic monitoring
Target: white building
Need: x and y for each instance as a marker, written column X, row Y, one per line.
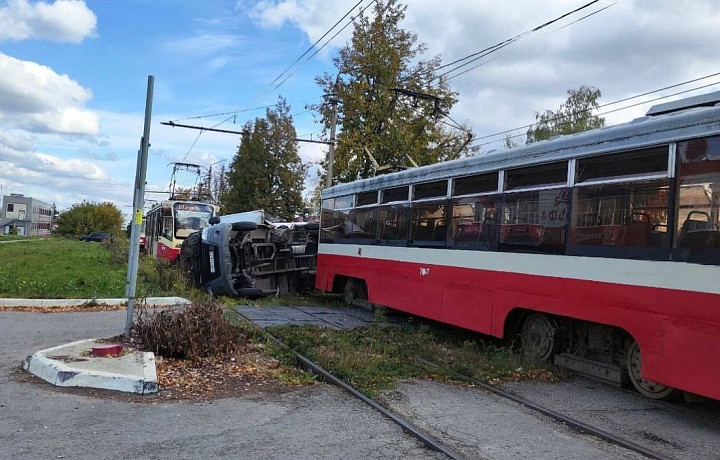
column 26, row 215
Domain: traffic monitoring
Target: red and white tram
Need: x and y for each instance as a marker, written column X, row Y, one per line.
column 600, row 249
column 170, row 222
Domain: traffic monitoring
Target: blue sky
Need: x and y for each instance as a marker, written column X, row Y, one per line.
column 73, row 74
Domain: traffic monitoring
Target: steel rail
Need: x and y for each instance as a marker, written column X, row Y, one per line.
column 557, row 416
column 569, row 421
column 408, row 427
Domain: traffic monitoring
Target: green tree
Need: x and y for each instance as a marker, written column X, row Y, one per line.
column 573, row 116
column 83, row 218
column 267, row 173
column 380, row 58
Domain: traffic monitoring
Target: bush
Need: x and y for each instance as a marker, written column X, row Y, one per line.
column 192, row 331
column 160, row 274
column 119, row 248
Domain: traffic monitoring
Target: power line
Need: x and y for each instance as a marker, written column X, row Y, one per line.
column 234, row 112
column 316, row 42
column 605, row 105
column 198, row 137
column 474, row 57
column 352, row 19
column 551, row 32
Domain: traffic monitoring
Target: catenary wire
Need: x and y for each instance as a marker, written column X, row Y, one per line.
column 607, row 112
column 625, row 99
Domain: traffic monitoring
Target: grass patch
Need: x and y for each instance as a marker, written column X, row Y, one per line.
column 373, row 358
column 65, row 268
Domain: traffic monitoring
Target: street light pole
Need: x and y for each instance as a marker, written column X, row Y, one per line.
column 138, row 205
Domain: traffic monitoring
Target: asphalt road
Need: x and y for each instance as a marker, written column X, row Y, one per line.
column 39, row 421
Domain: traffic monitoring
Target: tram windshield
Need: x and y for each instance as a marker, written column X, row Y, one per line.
column 191, row 217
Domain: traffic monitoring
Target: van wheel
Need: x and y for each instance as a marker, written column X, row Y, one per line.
column 354, row 290
column 647, row 388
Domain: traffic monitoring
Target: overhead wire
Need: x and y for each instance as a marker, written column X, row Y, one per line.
column 716, row 83
column 352, row 20
column 316, row 42
column 496, row 57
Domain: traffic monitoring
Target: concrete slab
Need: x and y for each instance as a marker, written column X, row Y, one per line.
column 71, row 365
column 328, row 317
column 152, row 301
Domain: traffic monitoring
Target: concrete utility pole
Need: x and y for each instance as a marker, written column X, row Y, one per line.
column 138, row 205
column 331, row 151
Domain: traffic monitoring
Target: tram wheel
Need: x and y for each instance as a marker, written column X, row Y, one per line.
column 354, row 290
column 647, row 388
column 537, row 337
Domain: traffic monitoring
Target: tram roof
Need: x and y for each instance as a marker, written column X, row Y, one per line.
column 642, row 132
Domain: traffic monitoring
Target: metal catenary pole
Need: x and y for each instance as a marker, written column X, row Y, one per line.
column 331, row 150
column 138, row 205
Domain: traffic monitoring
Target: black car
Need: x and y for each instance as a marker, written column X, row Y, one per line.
column 97, row 236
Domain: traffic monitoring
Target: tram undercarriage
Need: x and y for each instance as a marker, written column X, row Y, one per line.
column 242, row 258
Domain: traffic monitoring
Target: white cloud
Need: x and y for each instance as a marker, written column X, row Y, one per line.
column 632, row 47
column 63, row 21
column 36, row 98
column 54, row 178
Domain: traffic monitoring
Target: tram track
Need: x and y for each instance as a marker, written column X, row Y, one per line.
column 429, row 441
column 435, row 444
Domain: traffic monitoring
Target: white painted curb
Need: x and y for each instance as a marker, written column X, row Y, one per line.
column 151, row 301
column 65, row 375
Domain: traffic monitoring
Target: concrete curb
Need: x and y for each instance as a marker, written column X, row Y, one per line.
column 64, row 374
column 152, row 301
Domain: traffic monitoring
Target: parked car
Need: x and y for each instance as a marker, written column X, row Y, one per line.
column 96, row 236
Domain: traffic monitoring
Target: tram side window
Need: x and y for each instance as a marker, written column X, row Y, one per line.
column 633, row 214
column 473, row 223
column 535, row 221
column 697, row 235
column 167, row 227
column 429, row 223
column 393, row 223
column 336, row 225
column 362, row 224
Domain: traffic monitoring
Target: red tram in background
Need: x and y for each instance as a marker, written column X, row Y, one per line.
column 170, row 222
column 601, row 250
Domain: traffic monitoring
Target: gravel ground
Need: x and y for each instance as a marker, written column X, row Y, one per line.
column 40, row 421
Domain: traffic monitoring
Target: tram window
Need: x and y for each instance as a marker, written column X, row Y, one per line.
column 167, row 227
column 632, row 215
column 480, row 183
column 393, row 223
column 535, row 221
column 430, row 190
column 395, row 194
column 362, row 224
column 429, row 223
column 536, row 176
column 342, row 202
column 473, row 223
column 366, row 198
column 617, row 165
column 328, row 203
column 697, row 235
column 336, row 225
